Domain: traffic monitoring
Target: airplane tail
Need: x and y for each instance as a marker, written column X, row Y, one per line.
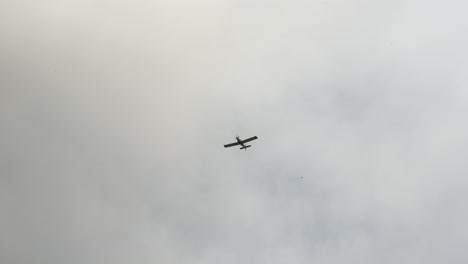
column 246, row 146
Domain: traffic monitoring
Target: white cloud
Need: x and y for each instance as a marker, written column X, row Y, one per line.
column 113, row 116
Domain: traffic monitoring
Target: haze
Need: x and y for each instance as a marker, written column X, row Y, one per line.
column 113, row 116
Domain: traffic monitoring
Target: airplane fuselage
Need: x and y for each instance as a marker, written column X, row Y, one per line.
column 240, row 141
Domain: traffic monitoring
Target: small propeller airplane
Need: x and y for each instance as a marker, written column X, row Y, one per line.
column 241, row 142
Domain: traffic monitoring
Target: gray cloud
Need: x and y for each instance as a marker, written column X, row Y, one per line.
column 113, row 117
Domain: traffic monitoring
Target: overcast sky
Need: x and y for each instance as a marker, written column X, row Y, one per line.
column 113, row 116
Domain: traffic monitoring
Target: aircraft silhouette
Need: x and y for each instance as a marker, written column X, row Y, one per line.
column 241, row 142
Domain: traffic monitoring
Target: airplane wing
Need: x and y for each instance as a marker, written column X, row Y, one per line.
column 231, row 145
column 249, row 139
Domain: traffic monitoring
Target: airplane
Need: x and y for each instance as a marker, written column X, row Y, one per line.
column 241, row 142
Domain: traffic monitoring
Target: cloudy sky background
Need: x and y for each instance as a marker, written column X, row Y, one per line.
column 113, row 115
